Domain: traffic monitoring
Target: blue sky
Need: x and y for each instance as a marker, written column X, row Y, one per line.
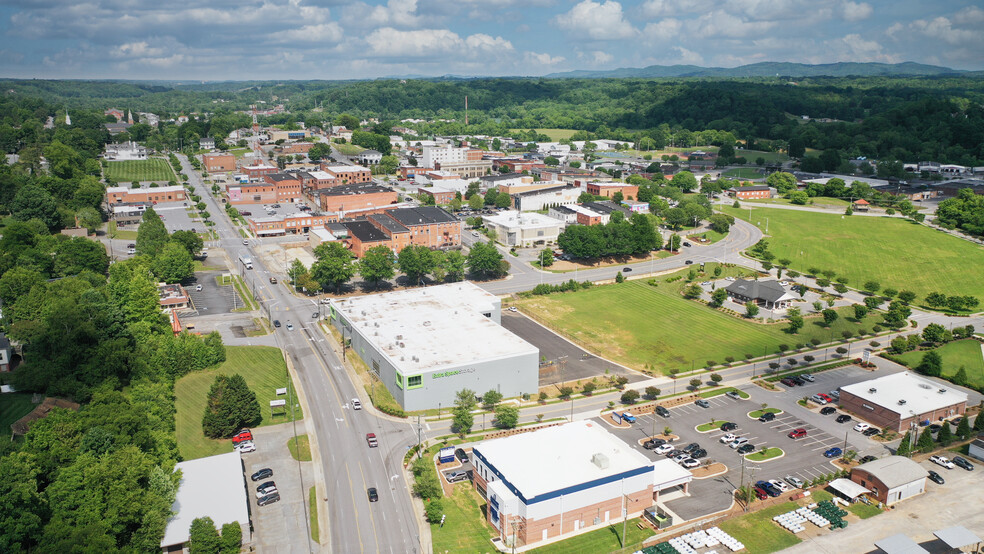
column 335, row 39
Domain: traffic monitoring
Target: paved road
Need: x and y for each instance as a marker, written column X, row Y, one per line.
column 347, row 465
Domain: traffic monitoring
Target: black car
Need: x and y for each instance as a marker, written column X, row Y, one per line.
column 767, row 416
column 728, row 426
column 799, row 380
column 269, row 499
column 626, row 270
column 788, row 382
column 934, row 428
column 870, row 432
column 672, row 453
column 691, row 447
column 268, row 486
column 461, row 455
column 827, row 410
column 957, row 460
column 935, row 477
column 698, row 454
column 264, row 473
column 867, row 459
column 373, row 495
column 843, row 418
column 689, row 262
column 653, row 443
column 663, row 412
column 745, row 448
column 276, row 323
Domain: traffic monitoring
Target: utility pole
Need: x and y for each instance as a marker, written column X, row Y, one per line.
column 419, row 455
column 625, row 517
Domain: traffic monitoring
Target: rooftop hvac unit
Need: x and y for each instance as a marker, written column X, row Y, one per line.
column 941, row 391
column 872, row 390
column 415, row 358
column 600, row 460
column 399, row 337
column 901, row 402
column 376, row 324
column 403, row 345
column 427, row 324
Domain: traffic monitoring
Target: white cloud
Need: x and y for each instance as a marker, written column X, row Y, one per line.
column 664, row 8
column 323, row 32
column 135, row 50
column 856, row 48
column 485, row 42
column 852, row 11
column 600, row 58
column 687, row 57
column 599, row 21
column 534, row 58
column 399, row 13
column 662, row 30
column 420, row 43
column 719, row 24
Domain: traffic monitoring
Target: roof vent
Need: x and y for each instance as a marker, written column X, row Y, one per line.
column 925, row 386
column 872, row 390
column 600, row 460
column 901, row 402
column 941, row 391
column 399, row 337
column 427, row 324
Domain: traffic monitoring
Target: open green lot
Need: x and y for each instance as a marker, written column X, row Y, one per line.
column 263, row 368
column 752, row 155
column 757, row 531
column 819, row 201
column 153, row 169
column 14, row 406
column 864, row 511
column 895, row 252
column 635, row 324
column 347, row 149
column 554, row 134
column 763, row 456
column 602, row 540
column 465, row 529
column 966, row 353
column 743, row 173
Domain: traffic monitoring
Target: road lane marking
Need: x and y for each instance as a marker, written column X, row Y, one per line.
column 355, row 508
column 372, row 518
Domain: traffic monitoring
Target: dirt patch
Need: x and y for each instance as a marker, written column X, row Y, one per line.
column 710, row 470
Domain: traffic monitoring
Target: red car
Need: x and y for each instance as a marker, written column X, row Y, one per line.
column 761, row 494
column 797, row 433
column 827, row 398
column 244, row 435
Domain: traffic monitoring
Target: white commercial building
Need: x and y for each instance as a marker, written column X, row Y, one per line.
column 524, row 229
column 426, row 344
column 433, row 155
column 214, row 487
column 903, row 399
column 565, row 480
column 561, row 194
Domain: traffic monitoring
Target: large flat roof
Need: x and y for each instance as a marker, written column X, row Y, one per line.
column 557, row 458
column 917, row 395
column 524, row 220
column 213, row 487
column 426, row 329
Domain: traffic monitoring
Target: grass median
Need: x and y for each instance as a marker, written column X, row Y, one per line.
column 766, row 455
column 313, row 514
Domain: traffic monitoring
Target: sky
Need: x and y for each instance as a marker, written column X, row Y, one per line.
column 336, row 39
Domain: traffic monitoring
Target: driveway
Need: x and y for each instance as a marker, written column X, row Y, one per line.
column 281, row 526
column 570, row 362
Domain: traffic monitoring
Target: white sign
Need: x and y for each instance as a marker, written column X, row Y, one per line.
column 866, row 356
column 277, row 403
column 282, row 391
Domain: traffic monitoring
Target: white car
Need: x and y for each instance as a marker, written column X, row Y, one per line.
column 738, row 442
column 663, row 448
column 265, row 492
column 817, row 399
column 245, row 447
column 730, row 437
column 783, row 487
column 680, row 457
column 862, row 427
column 513, row 309
column 941, row 460
column 356, row 405
column 795, row 481
column 689, row 463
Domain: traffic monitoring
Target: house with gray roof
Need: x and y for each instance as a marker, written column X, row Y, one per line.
column 767, row 294
column 891, row 479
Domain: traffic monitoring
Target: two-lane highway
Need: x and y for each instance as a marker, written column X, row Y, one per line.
column 348, row 465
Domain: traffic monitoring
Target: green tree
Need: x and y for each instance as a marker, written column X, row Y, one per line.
column 334, row 266
column 551, row 161
column 231, row 406
column 232, row 538
column 963, row 428
column 718, row 297
column 925, row 442
column 944, row 436
column 503, row 201
column 485, row 261
column 860, row 311
column 173, row 264
column 416, row 261
column 829, row 317
column 191, row 240
column 453, row 265
column 931, row 364
column 936, row 333
column 377, row 264
column 33, row 201
column 960, row 377
column 476, row 202
column 203, row 537
column 506, row 416
column 629, row 397
column 89, row 218
column 751, row 309
column 905, row 447
column 546, row 257
column 795, row 324
column 684, row 181
column 296, row 270
column 464, row 403
column 781, row 181
column 491, row 399
column 151, row 234
column 23, row 506
column 872, row 286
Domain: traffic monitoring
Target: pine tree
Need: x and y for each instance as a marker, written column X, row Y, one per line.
column 905, row 447
column 978, row 422
column 963, row 428
column 944, row 436
column 925, row 442
column 961, row 377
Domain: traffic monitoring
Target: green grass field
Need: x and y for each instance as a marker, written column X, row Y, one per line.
column 313, row 514
column 554, row 134
column 635, row 324
column 13, row 406
column 752, row 155
column 347, row 149
column 264, row 370
column 302, row 451
column 743, row 173
column 758, row 532
column 863, row 510
column 763, row 456
column 819, row 201
column 153, row 169
column 895, row 252
column 711, row 235
column 966, row 353
column 607, row 539
column 758, row 413
column 465, row 529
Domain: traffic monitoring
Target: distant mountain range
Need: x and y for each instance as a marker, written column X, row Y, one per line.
column 767, row 69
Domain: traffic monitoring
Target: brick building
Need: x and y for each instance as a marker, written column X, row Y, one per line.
column 348, row 174
column 252, row 193
column 256, row 171
column 440, row 195
column 287, row 186
column 219, row 163
column 296, row 148
column 891, row 479
column 757, row 191
column 408, row 171
column 397, row 228
column 609, row 189
column 317, row 180
column 901, row 400
column 355, row 197
column 153, row 195
column 293, row 224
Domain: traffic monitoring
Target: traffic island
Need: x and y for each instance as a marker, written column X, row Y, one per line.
column 767, row 455
column 710, row 426
column 759, row 413
column 710, row 470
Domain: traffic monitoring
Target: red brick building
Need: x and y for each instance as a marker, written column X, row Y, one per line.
column 608, row 189
column 408, row 171
column 219, row 163
column 287, row 186
column 289, row 225
column 348, row 174
column 296, row 148
column 252, row 193
column 747, row 193
column 258, row 170
column 426, row 226
column 355, row 197
column 440, row 196
column 153, row 195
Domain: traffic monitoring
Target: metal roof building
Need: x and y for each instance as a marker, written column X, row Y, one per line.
column 215, row 487
column 891, row 479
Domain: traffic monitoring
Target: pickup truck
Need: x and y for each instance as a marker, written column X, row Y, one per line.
column 628, row 417
column 371, row 440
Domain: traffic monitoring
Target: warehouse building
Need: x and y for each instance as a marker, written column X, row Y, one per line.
column 891, row 479
column 902, row 399
column 427, row 344
column 564, row 480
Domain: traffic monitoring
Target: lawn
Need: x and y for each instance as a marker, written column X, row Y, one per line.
column 752, row 155
column 152, row 169
column 819, row 201
column 863, row 510
column 711, row 235
column 760, row 456
column 894, row 252
column 264, row 370
column 711, row 425
column 723, row 390
column 313, row 514
column 347, row 149
column 465, row 529
column 758, row 413
column 14, row 406
column 757, row 531
column 554, row 134
column 743, row 173
column 636, row 324
column 602, row 540
column 966, row 353
column 301, row 449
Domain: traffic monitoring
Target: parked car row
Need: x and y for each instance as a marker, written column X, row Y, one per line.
column 242, row 441
column 266, row 493
column 957, row 461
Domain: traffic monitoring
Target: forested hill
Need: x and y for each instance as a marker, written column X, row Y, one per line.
column 766, row 69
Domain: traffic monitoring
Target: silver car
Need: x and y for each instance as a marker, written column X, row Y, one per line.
column 795, row 481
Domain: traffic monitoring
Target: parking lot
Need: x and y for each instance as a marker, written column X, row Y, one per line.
column 212, row 299
column 268, row 210
column 176, row 217
column 570, row 362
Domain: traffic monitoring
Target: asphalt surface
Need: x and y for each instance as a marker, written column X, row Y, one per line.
column 346, row 464
column 569, row 362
